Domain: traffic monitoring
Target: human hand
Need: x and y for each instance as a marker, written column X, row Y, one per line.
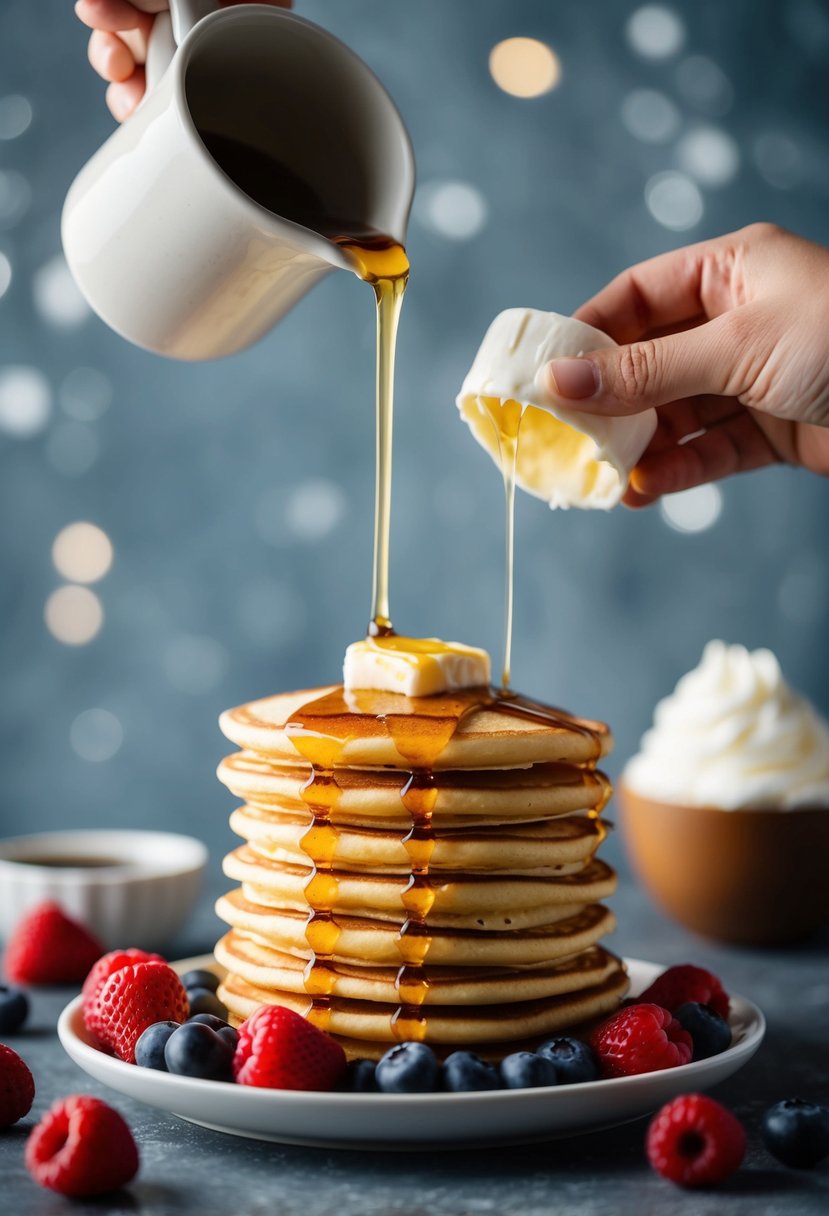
column 118, row 44
column 729, row 340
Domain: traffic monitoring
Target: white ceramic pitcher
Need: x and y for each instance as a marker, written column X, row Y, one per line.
column 165, row 247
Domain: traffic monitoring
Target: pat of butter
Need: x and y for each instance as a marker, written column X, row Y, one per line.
column 566, row 457
column 415, row 667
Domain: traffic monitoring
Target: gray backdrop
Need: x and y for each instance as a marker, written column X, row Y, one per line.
column 238, row 495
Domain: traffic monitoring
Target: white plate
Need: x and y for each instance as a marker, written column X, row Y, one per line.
column 415, row 1121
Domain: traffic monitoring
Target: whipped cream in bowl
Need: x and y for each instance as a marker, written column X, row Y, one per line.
column 725, row 809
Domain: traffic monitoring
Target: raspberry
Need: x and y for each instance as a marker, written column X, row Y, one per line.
column 48, row 947
column 81, row 1147
column 107, row 965
column 132, row 999
column 640, row 1038
column 278, row 1049
column 17, row 1087
column 681, row 984
column 694, row 1141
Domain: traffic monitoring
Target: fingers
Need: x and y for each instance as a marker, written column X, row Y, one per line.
column 115, row 15
column 110, row 57
column 123, row 97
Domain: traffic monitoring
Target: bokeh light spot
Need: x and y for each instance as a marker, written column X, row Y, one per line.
column 195, row 664
column 73, row 615
column 56, row 295
column 314, row 509
column 15, row 115
column 710, row 155
column 453, row 209
column 96, row 735
column 524, row 67
column 5, row 274
column 778, row 159
column 85, row 394
column 702, row 83
column 25, row 401
column 650, row 116
column 655, row 32
column 674, row 201
column 692, row 510
column 82, row 553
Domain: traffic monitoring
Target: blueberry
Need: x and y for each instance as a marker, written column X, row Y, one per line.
column 526, row 1070
column 711, row 1034
column 797, row 1132
column 574, row 1060
column 209, row 1019
column 196, row 1050
column 149, row 1050
column 202, row 1000
column 360, row 1077
column 464, row 1071
column 14, row 1009
column 408, row 1068
column 200, row 979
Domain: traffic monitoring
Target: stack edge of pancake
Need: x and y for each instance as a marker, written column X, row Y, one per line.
column 477, row 927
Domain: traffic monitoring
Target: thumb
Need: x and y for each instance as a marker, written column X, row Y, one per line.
column 629, row 379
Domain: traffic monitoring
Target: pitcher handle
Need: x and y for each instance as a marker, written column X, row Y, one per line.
column 170, row 29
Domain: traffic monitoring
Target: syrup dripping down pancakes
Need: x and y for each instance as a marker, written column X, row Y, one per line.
column 418, row 867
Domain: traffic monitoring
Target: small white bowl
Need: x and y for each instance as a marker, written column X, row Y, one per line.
column 128, row 888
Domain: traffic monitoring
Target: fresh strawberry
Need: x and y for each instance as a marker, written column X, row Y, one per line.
column 684, row 983
column 130, row 1000
column 17, row 1087
column 48, row 947
column 107, row 965
column 640, row 1038
column 278, row 1049
column 694, row 1141
column 81, row 1147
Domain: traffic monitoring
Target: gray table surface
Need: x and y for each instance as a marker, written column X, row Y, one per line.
column 186, row 1169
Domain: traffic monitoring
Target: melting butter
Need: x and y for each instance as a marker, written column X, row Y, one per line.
column 415, row 667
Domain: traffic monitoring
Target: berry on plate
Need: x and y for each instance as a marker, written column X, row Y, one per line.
column 360, row 1077
column 408, row 1068
column 149, row 1050
column 196, row 1050
column 640, row 1038
column 710, row 1033
column 17, row 1087
column 81, row 1147
column 278, row 1049
column 48, row 947
column 464, row 1071
column 14, row 1009
column 683, row 983
column 574, row 1060
column 694, row 1141
column 203, row 1000
column 132, row 999
column 200, row 978
column 107, row 965
column 797, row 1132
column 526, row 1070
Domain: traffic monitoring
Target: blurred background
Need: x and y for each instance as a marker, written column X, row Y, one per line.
column 179, row 538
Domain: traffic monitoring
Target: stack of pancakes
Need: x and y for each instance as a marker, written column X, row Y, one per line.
column 483, row 933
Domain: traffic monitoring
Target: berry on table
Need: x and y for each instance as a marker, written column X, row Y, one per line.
column 360, row 1077
column 196, row 1050
column 149, row 1050
column 640, row 1038
column 202, row 1000
column 683, row 983
column 526, row 1070
column 278, row 1049
column 710, row 1033
column 14, row 1009
column 408, row 1068
column 200, row 977
column 17, row 1087
column 693, row 1141
column 107, row 965
column 132, row 999
column 81, row 1147
column 797, row 1132
column 574, row 1060
column 48, row 947
column 464, row 1071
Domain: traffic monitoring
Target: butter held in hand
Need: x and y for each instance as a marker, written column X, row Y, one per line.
column 566, row 457
column 415, row 667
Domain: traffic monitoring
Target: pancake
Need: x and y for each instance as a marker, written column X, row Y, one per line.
column 483, row 739
column 418, row 868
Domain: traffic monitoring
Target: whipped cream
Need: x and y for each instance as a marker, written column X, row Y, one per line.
column 566, row 457
column 733, row 735
column 415, row 667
